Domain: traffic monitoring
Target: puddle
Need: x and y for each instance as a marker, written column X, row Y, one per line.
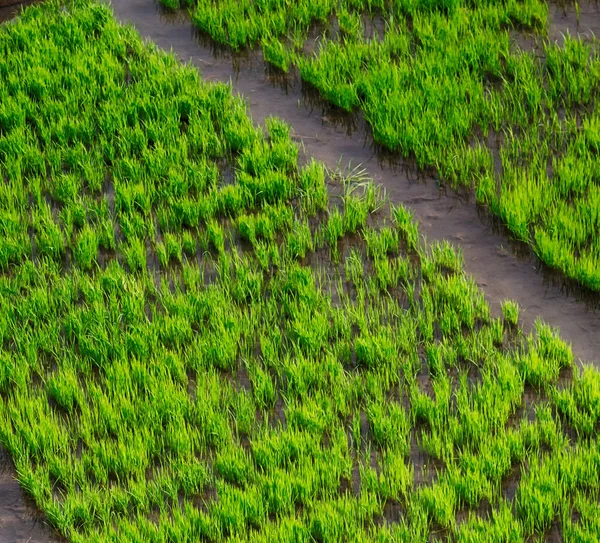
column 20, row 520
column 489, row 257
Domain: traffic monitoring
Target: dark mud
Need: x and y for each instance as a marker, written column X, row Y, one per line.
column 10, row 9
column 20, row 520
column 498, row 266
column 565, row 19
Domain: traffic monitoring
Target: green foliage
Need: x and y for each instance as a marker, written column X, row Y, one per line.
column 182, row 360
column 510, row 312
column 435, row 79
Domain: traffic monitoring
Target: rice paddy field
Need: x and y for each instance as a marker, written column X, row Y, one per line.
column 473, row 89
column 206, row 335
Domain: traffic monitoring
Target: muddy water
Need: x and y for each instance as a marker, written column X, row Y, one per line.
column 489, row 257
column 20, row 520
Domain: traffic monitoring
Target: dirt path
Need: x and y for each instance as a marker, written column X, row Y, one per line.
column 488, row 255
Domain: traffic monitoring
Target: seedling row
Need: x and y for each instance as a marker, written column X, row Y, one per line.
column 445, row 83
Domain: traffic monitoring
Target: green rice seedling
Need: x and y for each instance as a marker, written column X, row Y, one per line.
column 263, row 255
column 445, row 257
column 189, row 244
column 373, row 351
column 510, row 312
column 66, row 188
column 216, row 235
column 405, row 223
column 386, row 273
column 247, row 227
column 381, row 243
column 49, row 237
column 263, row 389
column 276, row 54
column 135, row 255
column 248, row 282
column 162, row 254
column 299, row 240
column 64, row 389
column 265, row 227
column 439, row 502
column 350, row 23
column 390, row 427
column 354, row 267
column 502, row 526
column 333, row 230
column 86, row 248
column 313, row 188
column 580, row 403
column 173, row 247
column 235, row 467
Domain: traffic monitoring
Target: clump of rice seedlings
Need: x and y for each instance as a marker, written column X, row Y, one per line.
column 86, row 248
column 135, row 255
column 481, row 84
column 381, row 243
column 407, row 226
column 189, row 244
column 510, row 312
column 216, row 235
column 299, row 240
column 354, row 267
column 183, row 360
column 581, row 402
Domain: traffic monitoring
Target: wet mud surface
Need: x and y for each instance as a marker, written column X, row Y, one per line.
column 499, row 267
column 20, row 520
column 567, row 20
column 11, row 8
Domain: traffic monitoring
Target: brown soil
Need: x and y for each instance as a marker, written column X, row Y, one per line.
column 20, row 520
